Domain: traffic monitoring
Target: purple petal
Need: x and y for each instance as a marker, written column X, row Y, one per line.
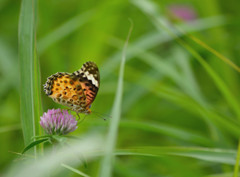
column 57, row 121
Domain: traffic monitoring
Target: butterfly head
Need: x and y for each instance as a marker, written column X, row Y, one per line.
column 87, row 111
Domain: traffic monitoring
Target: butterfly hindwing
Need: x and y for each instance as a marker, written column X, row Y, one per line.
column 90, row 71
column 90, row 90
column 90, row 79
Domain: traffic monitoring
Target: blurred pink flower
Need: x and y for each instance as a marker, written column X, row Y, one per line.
column 58, row 122
column 183, row 12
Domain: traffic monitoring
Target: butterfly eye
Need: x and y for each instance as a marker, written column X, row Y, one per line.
column 90, row 106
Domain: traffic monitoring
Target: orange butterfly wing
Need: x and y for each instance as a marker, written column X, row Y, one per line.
column 77, row 90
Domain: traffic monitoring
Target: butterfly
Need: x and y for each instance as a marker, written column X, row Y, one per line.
column 76, row 90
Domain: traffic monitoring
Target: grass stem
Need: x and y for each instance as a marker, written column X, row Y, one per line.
column 236, row 167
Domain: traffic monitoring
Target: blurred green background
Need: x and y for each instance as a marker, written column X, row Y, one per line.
column 170, row 99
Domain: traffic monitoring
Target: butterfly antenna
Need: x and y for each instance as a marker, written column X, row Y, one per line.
column 102, row 116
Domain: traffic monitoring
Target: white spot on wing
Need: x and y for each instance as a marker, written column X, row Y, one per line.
column 91, row 78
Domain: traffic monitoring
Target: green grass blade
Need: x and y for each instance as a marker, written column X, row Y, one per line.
column 38, row 110
column 213, row 51
column 221, row 175
column 10, row 128
column 236, row 167
column 29, row 70
column 207, row 154
column 106, row 166
column 191, row 87
column 74, row 170
column 168, row 130
column 33, row 144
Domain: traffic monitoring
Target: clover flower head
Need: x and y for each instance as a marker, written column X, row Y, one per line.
column 58, row 122
column 184, row 12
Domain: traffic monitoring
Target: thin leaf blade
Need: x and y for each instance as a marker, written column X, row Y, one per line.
column 33, row 144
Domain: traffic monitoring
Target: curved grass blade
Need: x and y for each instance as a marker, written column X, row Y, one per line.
column 213, row 51
column 168, row 130
column 42, row 136
column 206, row 154
column 236, row 167
column 106, row 166
column 221, row 175
column 74, row 170
column 33, row 144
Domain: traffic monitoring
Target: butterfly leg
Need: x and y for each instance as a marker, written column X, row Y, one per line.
column 69, row 109
column 82, row 119
column 78, row 117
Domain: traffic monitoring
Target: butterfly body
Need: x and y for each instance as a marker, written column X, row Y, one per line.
column 76, row 90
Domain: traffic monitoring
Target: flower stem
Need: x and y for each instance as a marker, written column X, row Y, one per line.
column 236, row 167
